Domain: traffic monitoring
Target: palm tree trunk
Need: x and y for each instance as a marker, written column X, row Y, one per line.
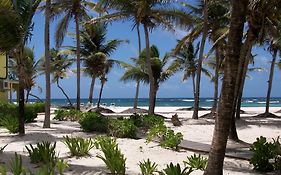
column 27, row 95
column 201, row 56
column 35, row 96
column 223, row 119
column 58, row 85
column 270, row 80
column 138, row 82
column 150, row 73
column 47, row 66
column 78, row 60
column 92, row 89
column 101, row 89
column 216, row 82
column 20, row 71
column 193, row 85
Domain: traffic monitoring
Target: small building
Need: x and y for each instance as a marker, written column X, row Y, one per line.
column 7, row 86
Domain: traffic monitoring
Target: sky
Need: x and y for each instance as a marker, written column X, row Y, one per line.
column 256, row 84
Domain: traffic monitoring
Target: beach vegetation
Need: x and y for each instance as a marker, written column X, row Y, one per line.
column 65, row 115
column 167, row 137
column 172, row 169
column 196, row 162
column 11, row 123
column 78, row 146
column 16, row 165
column 113, row 158
column 61, row 165
column 43, row 152
column 147, row 167
column 123, row 128
column 94, row 122
column 2, row 148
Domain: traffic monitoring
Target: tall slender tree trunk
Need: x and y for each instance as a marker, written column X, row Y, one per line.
column 150, row 73
column 69, row 101
column 27, row 95
column 47, row 122
column 101, row 89
column 78, row 60
column 216, row 83
column 138, row 82
column 223, row 119
column 92, row 89
column 193, row 85
column 35, row 96
column 201, row 57
column 20, row 71
column 270, row 80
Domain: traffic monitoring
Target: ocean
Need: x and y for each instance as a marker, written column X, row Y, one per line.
column 186, row 102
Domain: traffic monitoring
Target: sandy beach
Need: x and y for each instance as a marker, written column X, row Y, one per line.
column 201, row 130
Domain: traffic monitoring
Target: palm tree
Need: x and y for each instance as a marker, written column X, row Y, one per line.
column 71, row 9
column 10, row 29
column 25, row 10
column 223, row 119
column 161, row 71
column 93, row 47
column 186, row 61
column 47, row 122
column 150, row 14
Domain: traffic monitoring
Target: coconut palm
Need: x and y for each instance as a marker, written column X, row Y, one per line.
column 93, row 48
column 76, row 10
column 25, row 10
column 186, row 61
column 150, row 14
column 223, row 119
column 139, row 72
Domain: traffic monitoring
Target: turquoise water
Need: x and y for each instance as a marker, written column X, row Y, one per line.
column 205, row 102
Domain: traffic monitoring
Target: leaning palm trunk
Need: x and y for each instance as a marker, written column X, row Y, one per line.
column 223, row 119
column 92, row 89
column 47, row 65
column 78, row 60
column 35, row 96
column 201, row 56
column 216, row 83
column 58, row 85
column 150, row 73
column 270, row 80
column 101, row 89
column 27, row 96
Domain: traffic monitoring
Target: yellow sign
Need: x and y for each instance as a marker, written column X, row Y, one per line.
column 3, row 66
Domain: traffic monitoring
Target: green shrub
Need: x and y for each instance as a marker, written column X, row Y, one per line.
column 16, row 166
column 93, row 122
column 167, row 137
column 172, row 169
column 147, row 167
column 61, row 166
column 10, row 123
column 78, row 146
column 3, row 170
column 263, row 151
column 113, row 158
column 43, row 153
column 71, row 115
column 196, row 162
column 60, row 115
column 122, row 128
column 150, row 121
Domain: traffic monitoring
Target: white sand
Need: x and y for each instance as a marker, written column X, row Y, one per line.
column 137, row 150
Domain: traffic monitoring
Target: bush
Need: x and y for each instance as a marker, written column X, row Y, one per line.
column 43, row 153
column 16, row 166
column 64, row 115
column 146, row 121
column 93, row 122
column 196, row 162
column 78, row 146
column 167, row 137
column 122, row 128
column 172, row 169
column 10, row 123
column 263, row 151
column 147, row 167
column 113, row 158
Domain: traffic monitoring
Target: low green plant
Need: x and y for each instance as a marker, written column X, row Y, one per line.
column 122, row 128
column 167, row 137
column 113, row 158
column 263, row 151
column 10, row 123
column 71, row 115
column 61, row 166
column 2, row 148
column 60, row 115
column 196, row 162
column 147, row 167
column 3, row 170
column 16, row 166
column 78, row 146
column 172, row 169
column 43, row 153
column 94, row 122
column 150, row 121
